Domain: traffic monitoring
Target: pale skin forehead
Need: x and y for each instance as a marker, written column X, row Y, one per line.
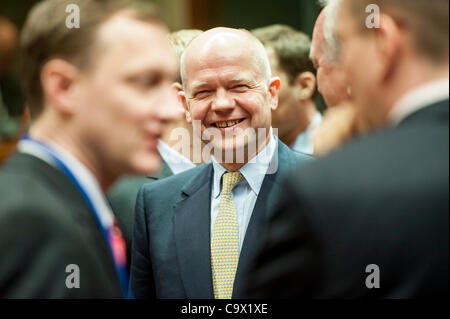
column 241, row 77
column 123, row 35
column 225, row 45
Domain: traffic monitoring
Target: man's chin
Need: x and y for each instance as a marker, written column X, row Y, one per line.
column 231, row 153
column 151, row 163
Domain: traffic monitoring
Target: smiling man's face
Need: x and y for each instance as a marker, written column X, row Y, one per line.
column 127, row 98
column 227, row 89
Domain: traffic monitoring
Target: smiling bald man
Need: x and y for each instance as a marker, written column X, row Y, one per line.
column 196, row 233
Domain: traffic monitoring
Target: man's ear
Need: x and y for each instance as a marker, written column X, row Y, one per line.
column 390, row 40
column 274, row 90
column 58, row 78
column 306, row 85
column 177, row 86
column 182, row 97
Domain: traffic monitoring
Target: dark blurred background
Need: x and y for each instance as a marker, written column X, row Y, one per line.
column 205, row 14
column 179, row 14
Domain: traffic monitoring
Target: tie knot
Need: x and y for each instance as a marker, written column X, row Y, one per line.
column 230, row 180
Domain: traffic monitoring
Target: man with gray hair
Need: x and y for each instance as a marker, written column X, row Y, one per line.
column 344, row 123
column 122, row 196
column 296, row 116
column 325, row 50
column 196, row 233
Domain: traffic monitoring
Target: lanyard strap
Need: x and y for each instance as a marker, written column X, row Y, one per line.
column 111, row 234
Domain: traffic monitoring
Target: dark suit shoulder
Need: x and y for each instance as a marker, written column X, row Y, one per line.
column 42, row 212
column 174, row 184
column 380, row 200
column 293, row 156
column 297, row 159
column 29, row 188
column 402, row 169
column 422, row 138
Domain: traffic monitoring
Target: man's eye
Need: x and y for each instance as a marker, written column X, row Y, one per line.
column 201, row 93
column 146, row 82
column 240, row 87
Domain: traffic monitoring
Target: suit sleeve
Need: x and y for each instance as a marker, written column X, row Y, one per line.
column 288, row 264
column 141, row 275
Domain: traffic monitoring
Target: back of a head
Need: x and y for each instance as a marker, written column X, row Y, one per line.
column 291, row 47
column 46, row 36
column 427, row 21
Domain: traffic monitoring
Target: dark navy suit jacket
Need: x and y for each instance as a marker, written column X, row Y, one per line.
column 171, row 242
column 383, row 200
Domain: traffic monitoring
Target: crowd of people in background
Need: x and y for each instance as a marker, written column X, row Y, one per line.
column 98, row 187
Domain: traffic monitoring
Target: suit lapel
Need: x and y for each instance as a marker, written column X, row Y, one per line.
column 192, row 235
column 192, row 225
column 262, row 211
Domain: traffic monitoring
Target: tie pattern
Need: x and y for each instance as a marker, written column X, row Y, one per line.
column 225, row 240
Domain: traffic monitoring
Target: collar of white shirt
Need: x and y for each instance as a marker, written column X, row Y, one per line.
column 303, row 143
column 176, row 162
column 254, row 171
column 82, row 174
column 419, row 98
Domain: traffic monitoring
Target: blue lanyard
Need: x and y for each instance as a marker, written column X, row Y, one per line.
column 121, row 269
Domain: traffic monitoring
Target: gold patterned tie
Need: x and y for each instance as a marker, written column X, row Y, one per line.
column 225, row 240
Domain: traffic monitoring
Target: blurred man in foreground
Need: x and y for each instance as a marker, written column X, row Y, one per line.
column 100, row 96
column 296, row 116
column 371, row 220
column 122, row 196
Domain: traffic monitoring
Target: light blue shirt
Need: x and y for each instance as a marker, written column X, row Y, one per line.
column 304, row 143
column 245, row 193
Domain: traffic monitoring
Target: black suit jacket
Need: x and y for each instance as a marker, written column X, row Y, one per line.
column 171, row 247
column 45, row 225
column 122, row 198
column 383, row 200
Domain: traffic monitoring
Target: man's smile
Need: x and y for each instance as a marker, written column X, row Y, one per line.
column 227, row 124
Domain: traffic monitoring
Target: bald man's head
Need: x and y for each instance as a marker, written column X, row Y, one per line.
column 222, row 42
column 228, row 92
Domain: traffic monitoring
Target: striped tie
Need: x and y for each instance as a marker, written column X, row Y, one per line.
column 225, row 240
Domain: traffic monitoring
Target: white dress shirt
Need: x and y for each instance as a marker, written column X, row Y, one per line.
column 419, row 98
column 246, row 192
column 176, row 162
column 304, row 143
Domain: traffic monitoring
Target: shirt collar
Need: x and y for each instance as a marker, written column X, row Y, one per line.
column 83, row 175
column 176, row 162
column 303, row 142
column 419, row 98
column 254, row 171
